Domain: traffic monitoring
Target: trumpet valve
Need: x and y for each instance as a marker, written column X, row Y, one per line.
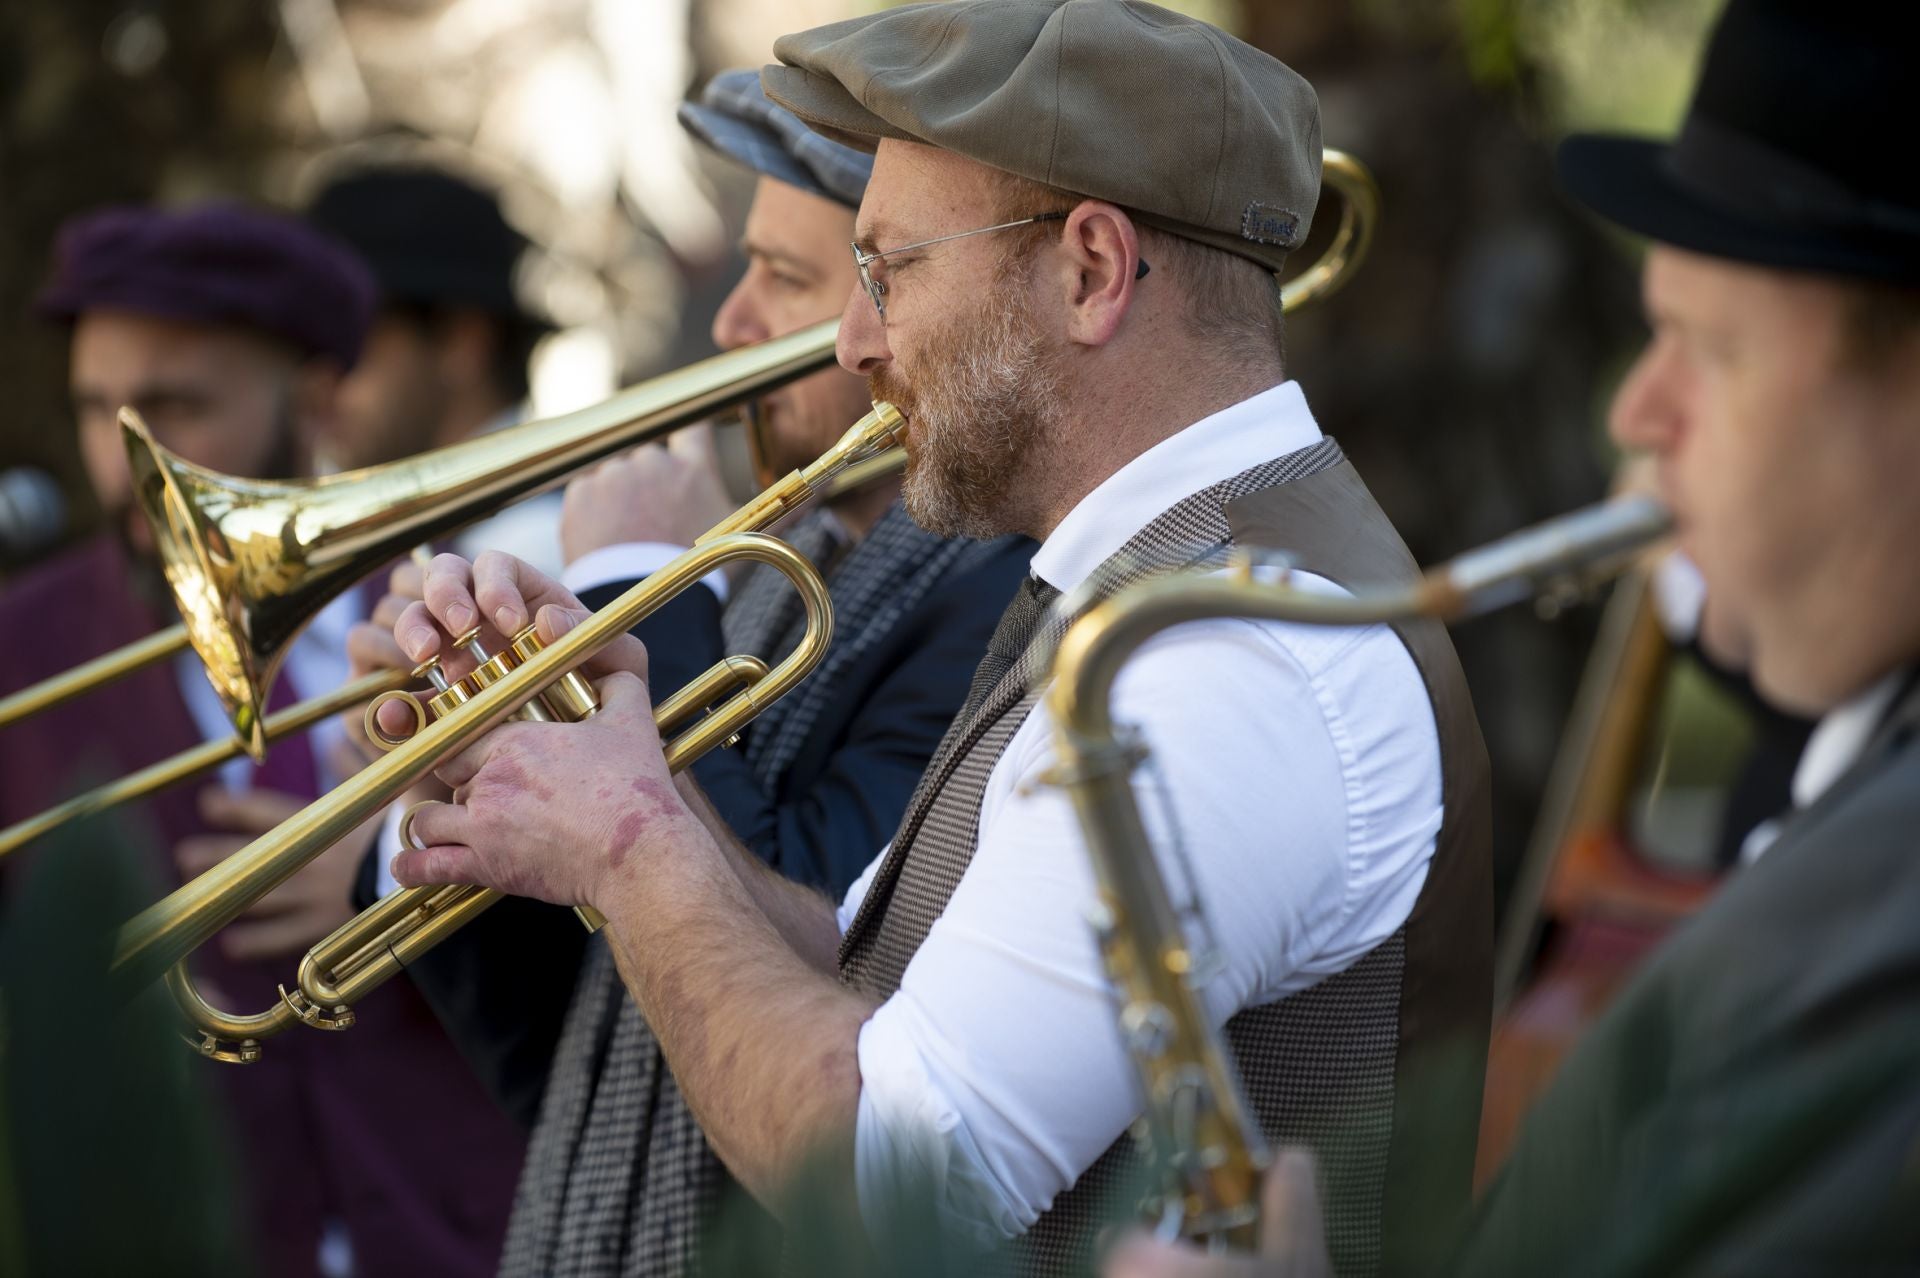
column 495, row 667
column 570, row 698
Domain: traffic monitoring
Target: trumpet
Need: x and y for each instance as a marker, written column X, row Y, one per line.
column 376, row 946
column 1206, row 1152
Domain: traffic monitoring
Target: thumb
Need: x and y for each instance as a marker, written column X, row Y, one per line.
column 623, row 690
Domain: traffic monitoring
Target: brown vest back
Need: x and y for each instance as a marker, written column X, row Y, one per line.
column 1378, row 1068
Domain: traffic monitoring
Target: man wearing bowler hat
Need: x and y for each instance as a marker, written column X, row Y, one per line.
column 1751, row 1102
column 1067, row 281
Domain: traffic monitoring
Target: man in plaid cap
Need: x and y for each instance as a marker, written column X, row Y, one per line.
column 1067, row 259
column 229, row 328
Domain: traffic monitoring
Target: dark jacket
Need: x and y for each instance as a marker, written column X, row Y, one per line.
column 1751, row 1103
column 502, row 984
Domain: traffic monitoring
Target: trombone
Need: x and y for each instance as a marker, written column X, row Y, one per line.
column 378, row 944
column 1206, row 1150
column 249, row 616
column 250, row 561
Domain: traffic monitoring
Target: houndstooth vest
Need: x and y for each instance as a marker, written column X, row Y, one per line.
column 1377, row 1068
column 619, row 1178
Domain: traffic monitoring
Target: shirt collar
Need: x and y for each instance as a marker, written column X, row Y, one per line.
column 1840, row 737
column 1271, row 424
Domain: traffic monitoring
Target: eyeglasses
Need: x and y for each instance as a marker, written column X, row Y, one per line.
column 877, row 289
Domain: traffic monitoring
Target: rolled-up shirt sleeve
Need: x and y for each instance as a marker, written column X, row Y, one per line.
column 996, row 1074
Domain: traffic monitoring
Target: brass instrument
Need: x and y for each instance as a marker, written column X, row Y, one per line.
column 1207, row 1151
column 244, row 593
column 1359, row 214
column 374, row 947
column 251, row 560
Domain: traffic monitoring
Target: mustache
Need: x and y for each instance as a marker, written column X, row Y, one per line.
column 885, row 384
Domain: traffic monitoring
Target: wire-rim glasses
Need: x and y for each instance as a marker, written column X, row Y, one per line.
column 877, row 289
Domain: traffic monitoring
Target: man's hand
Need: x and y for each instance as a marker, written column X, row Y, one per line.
column 499, row 594
column 541, row 810
column 661, row 493
column 290, row 919
column 556, row 811
column 1293, row 1241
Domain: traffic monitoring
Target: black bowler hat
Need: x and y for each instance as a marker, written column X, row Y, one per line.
column 430, row 237
column 1799, row 149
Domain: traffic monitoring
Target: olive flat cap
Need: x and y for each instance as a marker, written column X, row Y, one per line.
column 1197, row 133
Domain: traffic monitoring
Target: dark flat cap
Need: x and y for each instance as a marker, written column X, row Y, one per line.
column 1198, row 133
column 430, row 236
column 734, row 117
column 214, row 264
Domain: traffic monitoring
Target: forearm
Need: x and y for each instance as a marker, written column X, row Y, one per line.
column 802, row 916
column 763, row 1045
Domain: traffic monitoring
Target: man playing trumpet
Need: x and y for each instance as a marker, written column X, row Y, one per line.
column 818, row 780
column 1069, row 288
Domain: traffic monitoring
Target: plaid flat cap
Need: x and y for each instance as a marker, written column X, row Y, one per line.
column 1195, row 132
column 734, row 117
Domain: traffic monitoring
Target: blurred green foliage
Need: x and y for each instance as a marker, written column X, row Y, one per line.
column 110, row 1159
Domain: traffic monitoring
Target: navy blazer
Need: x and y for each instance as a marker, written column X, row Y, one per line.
column 502, row 984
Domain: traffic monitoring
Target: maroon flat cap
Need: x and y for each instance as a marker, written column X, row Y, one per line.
column 214, row 264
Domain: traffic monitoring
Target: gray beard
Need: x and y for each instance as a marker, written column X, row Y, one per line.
column 982, row 421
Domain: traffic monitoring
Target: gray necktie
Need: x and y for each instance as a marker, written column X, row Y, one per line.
column 1025, row 614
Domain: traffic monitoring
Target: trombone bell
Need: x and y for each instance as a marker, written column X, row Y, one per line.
column 250, row 561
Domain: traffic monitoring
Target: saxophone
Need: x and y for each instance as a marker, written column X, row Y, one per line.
column 1205, row 1150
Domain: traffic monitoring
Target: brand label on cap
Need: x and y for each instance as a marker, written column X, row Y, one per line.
column 1270, row 224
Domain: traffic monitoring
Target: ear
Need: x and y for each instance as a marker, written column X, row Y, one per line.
column 1102, row 248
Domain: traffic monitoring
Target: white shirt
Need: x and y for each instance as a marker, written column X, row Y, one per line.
column 1840, row 737
column 996, row 1070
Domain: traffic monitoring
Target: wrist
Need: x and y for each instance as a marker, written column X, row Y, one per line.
column 658, row 864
